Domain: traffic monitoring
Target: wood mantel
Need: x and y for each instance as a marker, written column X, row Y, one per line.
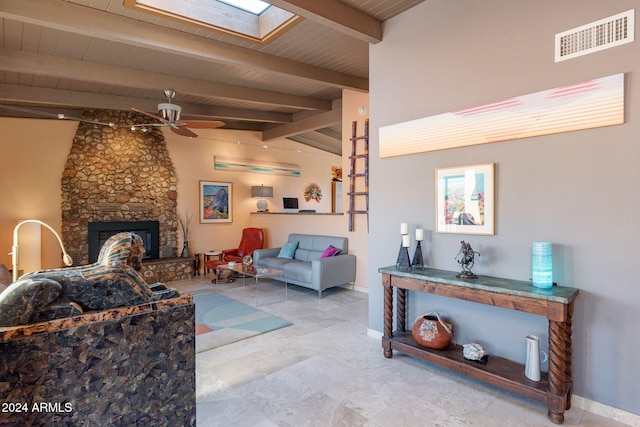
column 556, row 304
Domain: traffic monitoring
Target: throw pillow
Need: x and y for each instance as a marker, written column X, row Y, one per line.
column 330, row 251
column 288, row 249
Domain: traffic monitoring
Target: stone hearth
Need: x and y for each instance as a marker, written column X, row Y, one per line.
column 117, row 175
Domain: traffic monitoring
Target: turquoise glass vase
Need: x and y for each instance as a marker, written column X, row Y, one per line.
column 542, row 264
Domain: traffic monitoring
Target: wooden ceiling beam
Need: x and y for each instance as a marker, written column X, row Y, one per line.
column 69, row 17
column 334, row 148
column 336, row 15
column 308, row 124
column 67, row 99
column 330, row 133
column 47, row 65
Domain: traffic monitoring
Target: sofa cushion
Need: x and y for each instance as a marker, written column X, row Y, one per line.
column 306, row 255
column 330, row 251
column 298, row 270
column 288, row 250
column 274, row 262
column 319, row 243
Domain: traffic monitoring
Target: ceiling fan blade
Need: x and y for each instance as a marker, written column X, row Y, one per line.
column 182, row 131
column 203, row 124
column 143, row 125
column 153, row 116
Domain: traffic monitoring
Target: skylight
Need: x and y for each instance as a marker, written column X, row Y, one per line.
column 252, row 20
column 254, row 6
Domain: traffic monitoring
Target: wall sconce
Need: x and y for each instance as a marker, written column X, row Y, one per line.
column 261, row 192
column 66, row 258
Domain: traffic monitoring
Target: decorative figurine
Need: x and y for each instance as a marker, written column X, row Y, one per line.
column 467, row 259
column 113, row 281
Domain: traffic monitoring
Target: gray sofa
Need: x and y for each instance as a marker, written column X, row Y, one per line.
column 307, row 268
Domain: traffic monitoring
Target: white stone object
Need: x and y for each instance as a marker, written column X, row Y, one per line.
column 473, row 351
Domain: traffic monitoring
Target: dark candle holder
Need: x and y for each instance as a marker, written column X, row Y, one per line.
column 403, row 261
column 418, row 261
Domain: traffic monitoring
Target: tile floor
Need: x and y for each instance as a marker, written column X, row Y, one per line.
column 325, row 370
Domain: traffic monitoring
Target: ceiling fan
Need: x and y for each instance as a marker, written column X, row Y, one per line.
column 169, row 115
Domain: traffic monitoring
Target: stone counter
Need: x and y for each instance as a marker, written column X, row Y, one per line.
column 125, row 366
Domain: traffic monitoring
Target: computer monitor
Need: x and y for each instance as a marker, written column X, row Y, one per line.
column 290, row 204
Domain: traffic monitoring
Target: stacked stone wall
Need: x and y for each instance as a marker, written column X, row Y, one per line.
column 116, row 174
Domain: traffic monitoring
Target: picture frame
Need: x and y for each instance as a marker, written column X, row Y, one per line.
column 216, row 202
column 465, row 199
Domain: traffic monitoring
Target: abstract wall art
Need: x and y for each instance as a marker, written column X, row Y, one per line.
column 247, row 165
column 589, row 104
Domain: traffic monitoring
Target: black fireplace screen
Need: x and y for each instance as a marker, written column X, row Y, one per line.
column 149, row 231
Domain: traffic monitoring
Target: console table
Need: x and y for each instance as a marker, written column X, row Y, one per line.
column 556, row 304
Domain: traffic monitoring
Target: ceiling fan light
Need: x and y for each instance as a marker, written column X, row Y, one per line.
column 170, row 112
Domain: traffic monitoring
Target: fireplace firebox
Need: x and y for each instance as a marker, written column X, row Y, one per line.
column 149, row 231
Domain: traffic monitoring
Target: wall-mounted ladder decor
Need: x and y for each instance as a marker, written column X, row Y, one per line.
column 353, row 174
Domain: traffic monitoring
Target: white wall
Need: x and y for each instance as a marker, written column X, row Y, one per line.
column 32, row 157
column 577, row 190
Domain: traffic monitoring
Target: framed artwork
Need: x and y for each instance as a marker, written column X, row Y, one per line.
column 216, row 202
column 465, row 199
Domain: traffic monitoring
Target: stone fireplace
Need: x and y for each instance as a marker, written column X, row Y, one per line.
column 117, row 175
column 149, row 232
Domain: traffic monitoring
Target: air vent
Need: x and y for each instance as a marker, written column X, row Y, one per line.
column 598, row 35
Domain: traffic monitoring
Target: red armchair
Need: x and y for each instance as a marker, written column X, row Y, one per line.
column 252, row 239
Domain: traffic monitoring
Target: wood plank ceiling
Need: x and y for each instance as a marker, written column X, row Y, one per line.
column 69, row 55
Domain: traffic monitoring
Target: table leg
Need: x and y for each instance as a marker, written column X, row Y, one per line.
column 560, row 383
column 286, row 288
column 256, row 290
column 388, row 320
column 402, row 310
column 569, row 355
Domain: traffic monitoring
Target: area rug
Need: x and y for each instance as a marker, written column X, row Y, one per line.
column 221, row 320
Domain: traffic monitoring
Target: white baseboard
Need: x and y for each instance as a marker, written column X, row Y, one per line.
column 357, row 289
column 605, row 411
column 373, row 333
column 578, row 402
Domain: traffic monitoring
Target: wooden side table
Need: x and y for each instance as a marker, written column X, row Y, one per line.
column 556, row 304
column 196, row 265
